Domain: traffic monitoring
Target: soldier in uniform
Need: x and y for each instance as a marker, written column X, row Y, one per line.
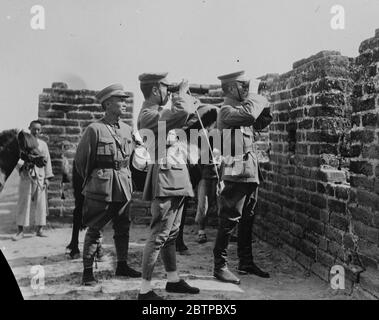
column 167, row 181
column 102, row 160
column 240, row 174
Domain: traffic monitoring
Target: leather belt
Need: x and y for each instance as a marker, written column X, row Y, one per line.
column 115, row 164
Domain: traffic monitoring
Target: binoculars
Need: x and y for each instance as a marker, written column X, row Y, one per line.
column 173, row 88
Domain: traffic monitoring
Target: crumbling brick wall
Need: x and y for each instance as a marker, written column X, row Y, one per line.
column 364, row 167
column 320, row 200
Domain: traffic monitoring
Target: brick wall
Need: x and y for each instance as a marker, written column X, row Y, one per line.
column 364, row 167
column 320, row 200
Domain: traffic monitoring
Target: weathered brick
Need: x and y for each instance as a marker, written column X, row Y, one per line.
column 355, row 150
column 370, row 120
column 320, row 148
column 371, row 151
column 296, row 230
column 302, row 196
column 342, row 192
column 73, row 130
column 363, row 104
column 63, row 107
column 325, row 111
column 339, row 222
column 332, row 175
column 79, row 115
column 325, row 258
column 336, row 250
column 333, row 234
column 330, row 190
column 318, row 201
column 361, row 167
column 51, row 114
column 368, row 199
column 53, row 130
column 369, row 233
column 63, row 122
column 91, row 108
column 348, row 241
column 337, row 206
column 306, row 124
column 362, row 182
column 363, row 136
column 322, row 136
column 301, row 220
column 316, row 226
column 361, row 214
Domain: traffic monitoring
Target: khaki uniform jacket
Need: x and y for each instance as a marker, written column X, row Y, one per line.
column 98, row 144
column 240, row 163
column 171, row 178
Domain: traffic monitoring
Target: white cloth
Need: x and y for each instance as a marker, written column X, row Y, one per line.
column 32, row 200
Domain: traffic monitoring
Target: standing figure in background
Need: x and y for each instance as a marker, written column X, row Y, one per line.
column 34, row 181
column 207, row 187
column 203, row 176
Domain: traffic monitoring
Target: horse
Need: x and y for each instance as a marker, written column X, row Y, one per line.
column 15, row 144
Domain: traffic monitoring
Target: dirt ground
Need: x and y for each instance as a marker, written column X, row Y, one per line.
column 63, row 275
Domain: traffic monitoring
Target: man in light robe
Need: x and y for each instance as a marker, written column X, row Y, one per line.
column 34, row 181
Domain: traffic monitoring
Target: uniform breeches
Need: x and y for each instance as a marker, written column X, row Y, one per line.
column 164, row 228
column 237, row 202
column 118, row 212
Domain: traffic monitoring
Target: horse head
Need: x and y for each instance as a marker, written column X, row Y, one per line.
column 13, row 145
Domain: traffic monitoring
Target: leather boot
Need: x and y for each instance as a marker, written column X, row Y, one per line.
column 252, row 268
column 223, row 274
column 88, row 278
column 124, row 270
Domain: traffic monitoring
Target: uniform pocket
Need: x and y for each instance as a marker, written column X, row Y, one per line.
column 241, row 166
column 172, row 177
column 99, row 185
column 105, row 147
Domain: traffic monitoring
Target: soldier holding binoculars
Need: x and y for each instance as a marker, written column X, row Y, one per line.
column 167, row 182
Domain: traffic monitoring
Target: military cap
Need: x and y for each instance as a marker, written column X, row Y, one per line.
column 114, row 90
column 154, row 78
column 235, row 76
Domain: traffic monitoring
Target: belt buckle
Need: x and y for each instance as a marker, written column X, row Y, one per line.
column 117, row 165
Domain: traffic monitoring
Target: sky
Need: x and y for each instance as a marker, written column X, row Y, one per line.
column 91, row 44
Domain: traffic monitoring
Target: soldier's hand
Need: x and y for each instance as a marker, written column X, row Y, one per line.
column 183, row 86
